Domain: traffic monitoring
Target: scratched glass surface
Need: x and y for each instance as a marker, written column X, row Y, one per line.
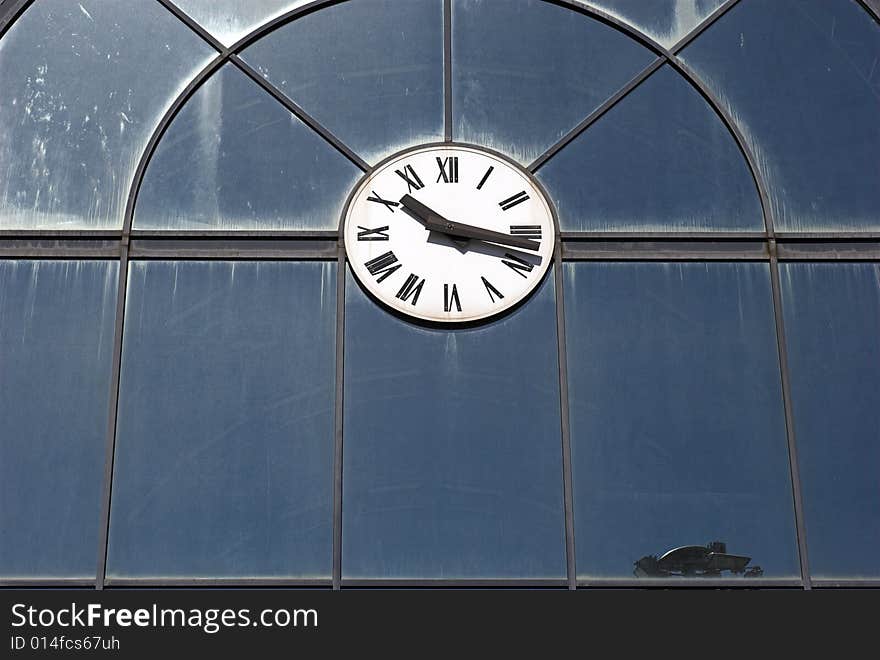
column 525, row 73
column 230, row 20
column 235, row 158
column 832, row 324
column 56, row 345
column 665, row 21
column 452, row 456
column 84, row 84
column 801, row 79
column 225, row 430
column 370, row 71
column 660, row 160
column 677, row 427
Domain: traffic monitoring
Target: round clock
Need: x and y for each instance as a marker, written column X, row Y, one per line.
column 449, row 233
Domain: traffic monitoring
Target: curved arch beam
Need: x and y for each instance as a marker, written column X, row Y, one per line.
column 667, row 56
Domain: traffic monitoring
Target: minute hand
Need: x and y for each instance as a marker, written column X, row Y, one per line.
column 436, row 222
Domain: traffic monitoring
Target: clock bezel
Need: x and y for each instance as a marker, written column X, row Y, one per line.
column 554, row 256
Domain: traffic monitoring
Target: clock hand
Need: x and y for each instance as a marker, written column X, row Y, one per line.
column 436, row 222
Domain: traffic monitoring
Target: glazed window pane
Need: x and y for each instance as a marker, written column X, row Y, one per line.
column 800, row 77
column 225, row 427
column 678, row 433
column 236, row 159
column 665, row 21
column 84, row 85
column 230, row 20
column 452, row 451
column 660, row 160
column 832, row 322
column 371, row 71
column 525, row 73
column 56, row 345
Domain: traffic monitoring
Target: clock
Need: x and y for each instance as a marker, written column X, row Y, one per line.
column 449, row 233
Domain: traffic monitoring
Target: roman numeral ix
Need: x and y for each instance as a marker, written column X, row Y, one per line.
column 448, row 169
column 408, row 174
column 375, row 234
column 382, row 266
column 510, row 202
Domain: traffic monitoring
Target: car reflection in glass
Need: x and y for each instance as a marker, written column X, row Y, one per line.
column 711, row 560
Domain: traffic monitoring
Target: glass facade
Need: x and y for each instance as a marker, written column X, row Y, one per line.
column 195, row 386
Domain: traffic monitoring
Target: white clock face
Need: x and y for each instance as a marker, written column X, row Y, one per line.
column 449, row 234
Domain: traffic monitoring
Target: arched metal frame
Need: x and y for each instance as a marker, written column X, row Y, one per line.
column 768, row 246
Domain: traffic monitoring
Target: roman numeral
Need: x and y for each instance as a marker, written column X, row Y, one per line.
column 519, row 266
column 449, row 298
column 485, row 176
column 382, row 265
column 526, row 231
column 378, row 200
column 491, row 289
column 510, row 202
column 376, row 234
column 412, row 179
column 410, row 288
column 448, row 169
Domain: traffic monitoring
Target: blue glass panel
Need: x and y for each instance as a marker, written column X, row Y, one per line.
column 659, row 160
column 225, row 432
column 678, row 433
column 665, row 21
column 801, row 79
column 230, row 20
column 452, row 455
column 525, row 73
column 371, row 71
column 235, row 158
column 832, row 323
column 84, row 85
column 56, row 345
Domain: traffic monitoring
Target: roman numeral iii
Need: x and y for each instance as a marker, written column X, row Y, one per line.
column 410, row 288
column 512, row 201
column 526, row 231
column 450, row 298
column 448, row 169
column 382, row 266
column 408, row 174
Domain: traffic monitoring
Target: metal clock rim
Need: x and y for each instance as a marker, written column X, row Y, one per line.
column 467, row 324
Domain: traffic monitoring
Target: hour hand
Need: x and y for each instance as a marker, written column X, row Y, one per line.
column 436, row 222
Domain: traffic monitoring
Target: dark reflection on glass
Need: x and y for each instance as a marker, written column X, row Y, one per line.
column 225, row 431
column 371, row 71
column 56, row 346
column 710, row 560
column 452, row 461
column 525, row 73
column 801, row 79
column 677, row 424
column 832, row 323
column 235, row 158
column 660, row 160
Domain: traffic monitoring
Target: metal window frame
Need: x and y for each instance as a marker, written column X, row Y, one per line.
column 129, row 243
